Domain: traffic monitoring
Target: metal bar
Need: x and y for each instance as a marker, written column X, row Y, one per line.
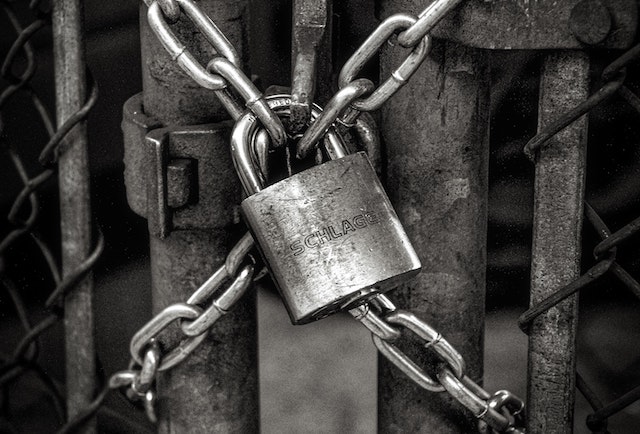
column 216, row 388
column 75, row 208
column 557, row 225
column 310, row 23
column 436, row 132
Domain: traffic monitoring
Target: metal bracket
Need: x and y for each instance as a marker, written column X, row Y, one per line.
column 135, row 126
column 535, row 25
column 178, row 177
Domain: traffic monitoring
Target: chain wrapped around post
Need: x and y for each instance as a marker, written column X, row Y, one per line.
column 501, row 411
column 150, row 353
column 196, row 317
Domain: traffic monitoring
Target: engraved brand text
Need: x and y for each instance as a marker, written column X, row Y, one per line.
column 333, row 232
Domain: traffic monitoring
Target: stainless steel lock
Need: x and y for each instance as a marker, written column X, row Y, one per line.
column 328, row 234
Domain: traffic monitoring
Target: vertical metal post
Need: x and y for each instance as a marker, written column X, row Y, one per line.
column 436, row 134
column 215, row 389
column 557, row 225
column 75, row 208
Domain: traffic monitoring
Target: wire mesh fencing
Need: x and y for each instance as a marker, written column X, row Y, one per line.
column 612, row 83
column 21, row 363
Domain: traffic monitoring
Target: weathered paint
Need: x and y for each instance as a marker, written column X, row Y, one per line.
column 216, row 388
column 436, row 133
column 557, row 225
column 75, row 205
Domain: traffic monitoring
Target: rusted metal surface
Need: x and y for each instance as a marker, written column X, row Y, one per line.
column 164, row 168
column 590, row 22
column 203, row 193
column 215, row 389
column 558, row 210
column 135, row 126
column 310, row 54
column 75, row 208
column 542, row 24
column 436, row 133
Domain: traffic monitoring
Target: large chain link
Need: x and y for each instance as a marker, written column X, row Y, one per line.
column 502, row 411
column 196, row 317
column 413, row 32
column 223, row 70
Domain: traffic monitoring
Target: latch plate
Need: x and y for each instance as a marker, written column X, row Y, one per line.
column 178, row 177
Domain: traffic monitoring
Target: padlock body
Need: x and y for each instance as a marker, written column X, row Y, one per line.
column 330, row 237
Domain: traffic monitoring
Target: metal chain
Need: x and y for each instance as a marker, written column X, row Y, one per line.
column 196, row 317
column 222, row 71
column 413, row 32
column 501, row 412
column 226, row 69
column 149, row 355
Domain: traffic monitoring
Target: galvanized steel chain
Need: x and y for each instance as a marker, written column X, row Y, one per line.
column 150, row 355
column 226, row 68
column 501, row 412
column 221, row 71
column 358, row 95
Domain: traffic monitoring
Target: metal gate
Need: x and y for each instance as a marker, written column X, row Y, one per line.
column 484, row 148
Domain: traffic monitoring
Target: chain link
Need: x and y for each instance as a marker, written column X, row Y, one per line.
column 337, row 107
column 144, row 380
column 370, row 48
column 413, row 32
column 427, row 20
column 502, row 411
column 158, row 324
column 125, row 380
column 221, row 71
column 183, row 56
column 150, row 355
column 254, row 99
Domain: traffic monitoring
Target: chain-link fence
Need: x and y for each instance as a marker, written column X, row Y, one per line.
column 612, row 84
column 24, row 250
column 30, row 261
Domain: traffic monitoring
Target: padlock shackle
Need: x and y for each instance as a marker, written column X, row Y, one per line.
column 245, row 129
column 241, row 153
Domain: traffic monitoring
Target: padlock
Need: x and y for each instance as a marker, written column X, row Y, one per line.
column 328, row 234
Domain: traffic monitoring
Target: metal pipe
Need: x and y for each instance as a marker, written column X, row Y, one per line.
column 216, row 389
column 557, row 224
column 436, row 133
column 75, row 207
column 168, row 93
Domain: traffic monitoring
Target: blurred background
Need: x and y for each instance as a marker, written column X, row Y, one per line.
column 318, row 377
